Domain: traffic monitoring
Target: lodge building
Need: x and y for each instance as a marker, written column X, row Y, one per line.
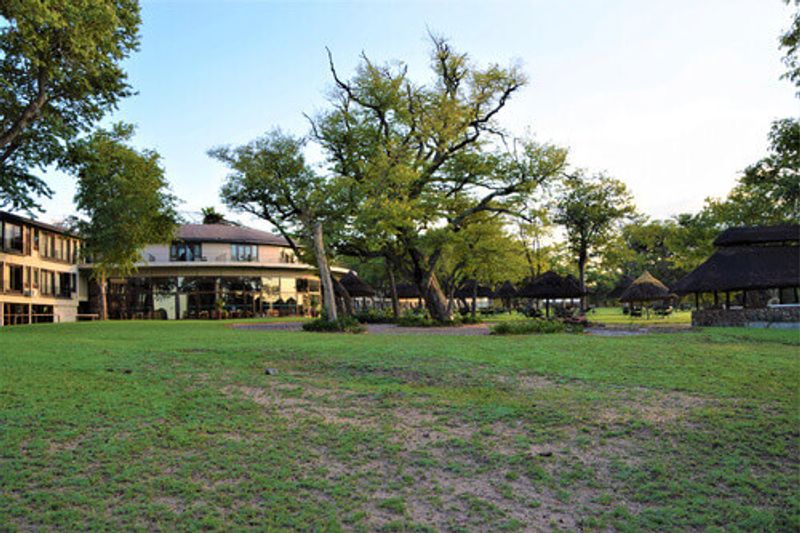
column 207, row 271
column 38, row 272
column 215, row 271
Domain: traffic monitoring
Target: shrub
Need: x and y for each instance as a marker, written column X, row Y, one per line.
column 422, row 320
column 416, row 320
column 346, row 324
column 524, row 327
column 468, row 319
column 375, row 316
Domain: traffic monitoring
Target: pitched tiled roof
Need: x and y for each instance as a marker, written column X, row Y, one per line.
column 228, row 233
column 11, row 217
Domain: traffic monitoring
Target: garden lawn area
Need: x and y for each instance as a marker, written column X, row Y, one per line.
column 174, row 425
column 613, row 316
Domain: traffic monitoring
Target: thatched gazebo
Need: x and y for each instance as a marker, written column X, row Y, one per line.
column 357, row 287
column 645, row 288
column 760, row 262
column 623, row 283
column 470, row 289
column 551, row 286
column 409, row 291
column 506, row 292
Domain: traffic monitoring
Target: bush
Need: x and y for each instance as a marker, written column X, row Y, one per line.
column 468, row 319
column 416, row 320
column 423, row 320
column 524, row 327
column 345, row 324
column 375, row 316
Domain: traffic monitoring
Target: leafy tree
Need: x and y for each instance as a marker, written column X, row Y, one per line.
column 60, row 66
column 790, row 42
column 124, row 195
column 212, row 216
column 414, row 157
column 270, row 179
column 484, row 252
column 589, row 208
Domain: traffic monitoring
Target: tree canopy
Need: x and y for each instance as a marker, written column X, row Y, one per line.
column 60, row 62
column 125, row 199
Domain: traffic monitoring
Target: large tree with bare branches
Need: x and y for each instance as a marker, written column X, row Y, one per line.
column 416, row 157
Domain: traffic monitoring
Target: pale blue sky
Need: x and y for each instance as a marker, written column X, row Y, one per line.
column 674, row 97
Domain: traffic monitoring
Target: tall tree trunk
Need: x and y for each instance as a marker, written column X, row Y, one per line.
column 582, row 280
column 474, row 299
column 103, row 298
column 435, row 300
column 347, row 300
column 428, row 285
column 393, row 288
column 326, row 280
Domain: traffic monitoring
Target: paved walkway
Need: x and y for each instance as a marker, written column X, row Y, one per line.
column 377, row 329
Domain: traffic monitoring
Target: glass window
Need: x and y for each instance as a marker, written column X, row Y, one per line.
column 12, row 237
column 185, row 251
column 243, row 252
column 15, row 278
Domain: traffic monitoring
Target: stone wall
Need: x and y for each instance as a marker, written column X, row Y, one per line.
column 763, row 317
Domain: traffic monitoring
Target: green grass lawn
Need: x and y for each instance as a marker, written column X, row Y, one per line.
column 156, row 425
column 611, row 316
column 614, row 316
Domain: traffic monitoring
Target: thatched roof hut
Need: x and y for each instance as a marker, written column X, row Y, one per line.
column 551, row 286
column 623, row 283
column 645, row 288
column 755, row 235
column 748, row 259
column 407, row 291
column 506, row 290
column 357, row 287
column 468, row 290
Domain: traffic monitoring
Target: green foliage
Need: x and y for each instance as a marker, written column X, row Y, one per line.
column 125, row 197
column 537, row 326
column 212, row 216
column 60, row 62
column 769, row 191
column 345, row 324
column 375, row 316
column 414, row 157
column 269, row 178
column 411, row 319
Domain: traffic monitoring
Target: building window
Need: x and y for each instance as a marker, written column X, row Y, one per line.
column 15, row 278
column 35, row 239
column 185, row 251
column 12, row 237
column 65, row 284
column 243, row 252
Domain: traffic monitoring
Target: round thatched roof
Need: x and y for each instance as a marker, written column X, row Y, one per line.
column 466, row 290
column 645, row 288
column 551, row 286
column 623, row 283
column 506, row 290
column 356, row 286
column 408, row 290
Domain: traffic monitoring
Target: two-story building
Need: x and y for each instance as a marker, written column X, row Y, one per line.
column 38, row 272
column 213, row 270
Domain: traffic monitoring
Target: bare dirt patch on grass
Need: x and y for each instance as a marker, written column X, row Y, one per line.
column 463, row 475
